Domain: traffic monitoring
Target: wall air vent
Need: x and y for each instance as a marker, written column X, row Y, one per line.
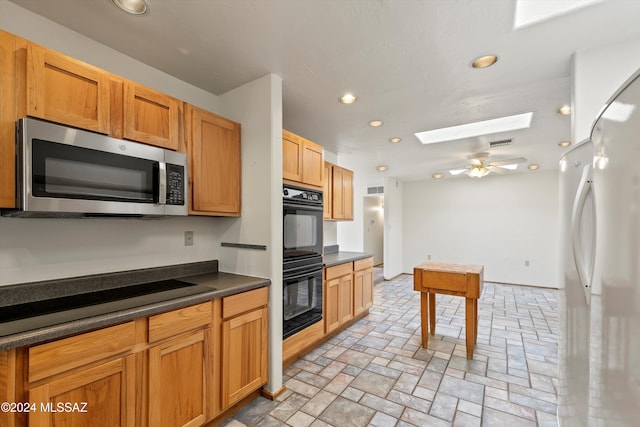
column 500, row 143
column 375, row 190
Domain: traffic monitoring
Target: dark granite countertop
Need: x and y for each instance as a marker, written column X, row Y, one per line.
column 208, row 284
column 341, row 257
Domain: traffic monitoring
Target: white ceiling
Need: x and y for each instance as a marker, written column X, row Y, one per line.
column 406, row 60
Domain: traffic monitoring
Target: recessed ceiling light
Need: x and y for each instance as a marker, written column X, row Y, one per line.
column 486, row 127
column 134, row 7
column 564, row 110
column 564, row 143
column 348, row 98
column 437, row 176
column 381, row 168
column 375, row 123
column 533, row 167
column 484, row 61
column 395, row 140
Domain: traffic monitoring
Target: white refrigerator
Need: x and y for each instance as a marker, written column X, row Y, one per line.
column 599, row 349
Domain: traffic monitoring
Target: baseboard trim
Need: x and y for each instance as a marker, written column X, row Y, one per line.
column 273, row 396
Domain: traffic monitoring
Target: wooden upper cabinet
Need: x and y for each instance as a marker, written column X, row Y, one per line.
column 64, row 90
column 302, row 160
column 214, row 163
column 151, row 117
column 291, row 156
column 8, row 117
column 341, row 199
column 327, row 191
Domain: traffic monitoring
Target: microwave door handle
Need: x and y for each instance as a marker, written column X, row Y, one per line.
column 162, row 183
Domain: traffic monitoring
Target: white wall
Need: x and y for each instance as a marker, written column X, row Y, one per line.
column 393, row 228
column 597, row 74
column 330, row 228
column 496, row 221
column 258, row 106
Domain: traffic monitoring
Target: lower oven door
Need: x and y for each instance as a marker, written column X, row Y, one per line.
column 302, row 300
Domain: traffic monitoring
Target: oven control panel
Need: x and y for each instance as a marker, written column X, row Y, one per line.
column 290, row 193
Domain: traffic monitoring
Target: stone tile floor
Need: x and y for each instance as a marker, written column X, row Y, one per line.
column 376, row 374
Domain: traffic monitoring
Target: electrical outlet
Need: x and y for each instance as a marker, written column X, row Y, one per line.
column 428, row 256
column 188, row 238
column 526, row 263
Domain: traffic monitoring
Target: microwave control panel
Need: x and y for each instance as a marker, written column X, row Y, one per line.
column 175, row 185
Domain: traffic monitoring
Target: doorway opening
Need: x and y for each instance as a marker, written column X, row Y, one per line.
column 373, row 233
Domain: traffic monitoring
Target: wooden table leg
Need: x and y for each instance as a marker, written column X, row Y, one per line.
column 470, row 324
column 475, row 321
column 424, row 316
column 432, row 312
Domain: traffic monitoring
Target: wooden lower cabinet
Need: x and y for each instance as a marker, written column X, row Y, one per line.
column 180, row 380
column 102, row 395
column 338, row 296
column 244, row 345
column 362, row 285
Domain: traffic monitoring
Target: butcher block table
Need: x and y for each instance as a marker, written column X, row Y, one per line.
column 431, row 278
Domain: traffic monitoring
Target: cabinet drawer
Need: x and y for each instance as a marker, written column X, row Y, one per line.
column 363, row 264
column 338, row 271
column 65, row 354
column 174, row 322
column 245, row 301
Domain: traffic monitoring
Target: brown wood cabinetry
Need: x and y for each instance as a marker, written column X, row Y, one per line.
column 338, row 196
column 338, row 300
column 64, row 90
column 214, row 163
column 302, row 160
column 180, row 374
column 244, row 344
column 362, row 285
column 151, row 117
column 8, row 115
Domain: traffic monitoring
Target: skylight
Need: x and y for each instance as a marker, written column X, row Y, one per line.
column 486, row 127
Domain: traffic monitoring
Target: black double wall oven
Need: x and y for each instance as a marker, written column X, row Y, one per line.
column 302, row 258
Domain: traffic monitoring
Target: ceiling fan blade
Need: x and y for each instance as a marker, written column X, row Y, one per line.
column 498, row 169
column 514, row 161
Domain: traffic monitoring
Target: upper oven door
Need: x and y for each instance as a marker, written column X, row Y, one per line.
column 302, row 231
column 70, row 170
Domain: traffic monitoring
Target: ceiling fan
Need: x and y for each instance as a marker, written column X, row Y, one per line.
column 479, row 165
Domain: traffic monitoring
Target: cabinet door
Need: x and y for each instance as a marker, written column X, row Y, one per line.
column 367, row 288
column 331, row 303
column 345, row 304
column 338, row 191
column 214, row 163
column 347, row 194
column 64, row 90
column 312, row 163
column 244, row 359
column 292, row 148
column 8, row 115
column 179, row 380
column 151, row 117
column 108, row 390
column 327, row 192
column 358, row 292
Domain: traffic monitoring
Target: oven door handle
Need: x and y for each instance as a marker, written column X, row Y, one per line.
column 305, row 271
column 307, row 207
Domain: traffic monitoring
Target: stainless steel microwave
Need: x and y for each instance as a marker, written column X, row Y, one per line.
column 67, row 172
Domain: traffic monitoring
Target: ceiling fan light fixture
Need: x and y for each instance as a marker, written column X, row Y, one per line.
column 484, row 61
column 134, row 7
column 478, row 172
column 348, row 98
column 375, row 123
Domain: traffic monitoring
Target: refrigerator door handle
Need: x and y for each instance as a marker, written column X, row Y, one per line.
column 585, row 272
